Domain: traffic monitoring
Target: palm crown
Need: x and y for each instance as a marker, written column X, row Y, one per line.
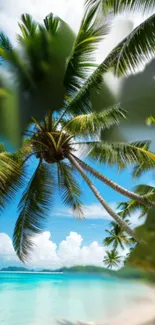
column 54, row 141
column 117, row 237
column 112, row 259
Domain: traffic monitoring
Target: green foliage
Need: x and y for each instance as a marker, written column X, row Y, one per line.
column 131, row 206
column 28, row 27
column 70, row 190
column 112, row 258
column 51, row 71
column 143, row 255
column 11, row 176
column 117, row 237
column 34, row 207
column 5, row 44
column 91, row 32
column 121, row 154
column 91, row 124
column 132, row 5
column 118, row 6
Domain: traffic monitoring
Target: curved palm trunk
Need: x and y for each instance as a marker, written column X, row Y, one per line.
column 105, row 205
column 115, row 186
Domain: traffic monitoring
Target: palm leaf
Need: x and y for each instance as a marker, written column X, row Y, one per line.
column 112, row 258
column 5, row 44
column 28, row 27
column 121, row 154
column 51, row 23
column 128, row 208
column 69, row 189
column 81, row 62
column 11, row 176
column 123, row 5
column 118, row 6
column 144, row 189
column 139, row 169
column 135, row 49
column 34, row 207
column 92, row 123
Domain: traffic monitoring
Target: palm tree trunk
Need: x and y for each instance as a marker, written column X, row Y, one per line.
column 115, row 186
column 105, row 205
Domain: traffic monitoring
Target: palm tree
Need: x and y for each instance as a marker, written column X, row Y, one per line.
column 54, row 144
column 129, row 207
column 41, row 70
column 55, row 139
column 117, row 237
column 112, row 259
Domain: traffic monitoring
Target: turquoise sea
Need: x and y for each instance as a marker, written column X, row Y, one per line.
column 45, row 299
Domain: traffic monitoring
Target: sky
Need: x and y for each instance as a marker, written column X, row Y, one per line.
column 66, row 241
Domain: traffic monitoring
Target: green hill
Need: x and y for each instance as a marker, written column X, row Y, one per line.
column 14, row 269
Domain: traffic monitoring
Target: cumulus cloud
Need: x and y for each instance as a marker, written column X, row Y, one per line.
column 46, row 254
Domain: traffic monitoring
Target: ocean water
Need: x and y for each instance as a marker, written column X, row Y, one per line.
column 45, row 299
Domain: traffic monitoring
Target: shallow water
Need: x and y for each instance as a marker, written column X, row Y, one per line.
column 43, row 299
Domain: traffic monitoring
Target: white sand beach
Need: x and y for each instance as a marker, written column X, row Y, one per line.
column 141, row 312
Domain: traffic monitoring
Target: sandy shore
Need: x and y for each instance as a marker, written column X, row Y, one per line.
column 142, row 312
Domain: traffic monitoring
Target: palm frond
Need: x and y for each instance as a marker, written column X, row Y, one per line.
column 69, row 189
column 121, row 154
column 108, row 241
column 11, row 176
column 34, row 207
column 81, row 62
column 139, row 169
column 144, row 189
column 118, row 6
column 135, row 49
column 128, row 208
column 5, row 44
column 28, row 27
column 51, row 23
column 131, row 206
column 92, row 123
column 112, row 258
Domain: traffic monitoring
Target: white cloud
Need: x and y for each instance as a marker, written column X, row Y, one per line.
column 6, row 250
column 96, row 211
column 46, row 254
column 92, row 211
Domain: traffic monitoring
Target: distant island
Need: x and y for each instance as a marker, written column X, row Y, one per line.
column 80, row 269
column 125, row 272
